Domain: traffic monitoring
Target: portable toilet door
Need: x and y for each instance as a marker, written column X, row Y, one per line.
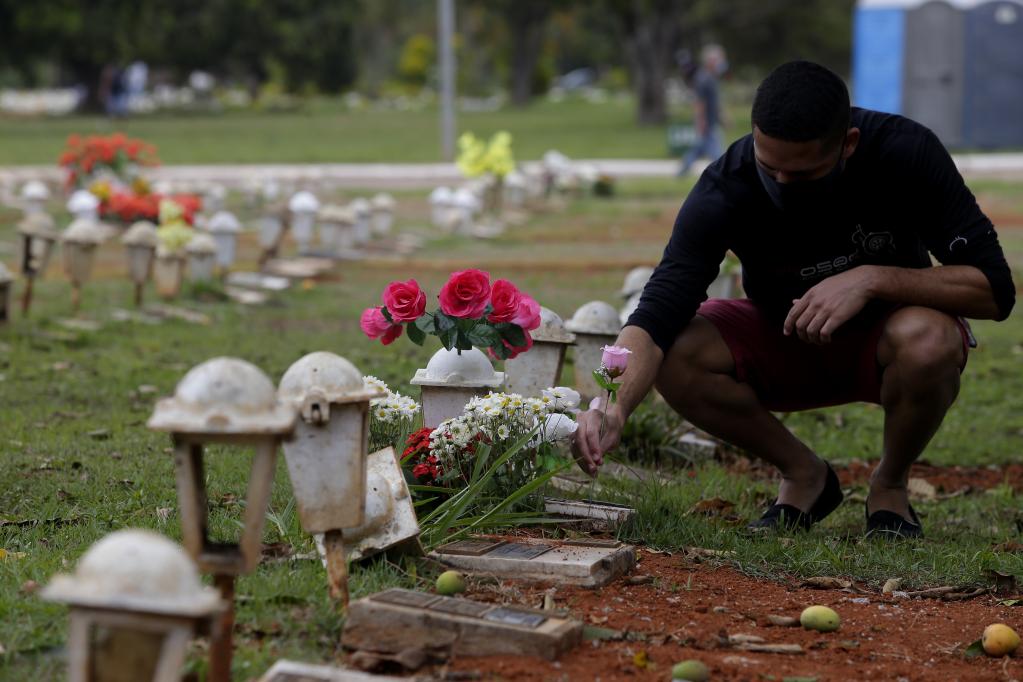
column 994, row 75
column 934, row 69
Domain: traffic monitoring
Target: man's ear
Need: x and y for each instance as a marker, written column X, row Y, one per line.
column 852, row 138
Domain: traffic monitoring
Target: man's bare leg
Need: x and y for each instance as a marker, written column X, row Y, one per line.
column 697, row 380
column 921, row 351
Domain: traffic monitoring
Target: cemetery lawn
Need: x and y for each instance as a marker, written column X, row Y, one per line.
column 78, row 461
column 324, row 131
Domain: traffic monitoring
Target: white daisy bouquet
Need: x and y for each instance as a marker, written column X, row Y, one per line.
column 392, row 417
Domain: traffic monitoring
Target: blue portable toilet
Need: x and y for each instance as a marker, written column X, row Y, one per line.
column 954, row 65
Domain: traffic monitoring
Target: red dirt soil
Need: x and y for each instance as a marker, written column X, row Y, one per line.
column 944, row 479
column 686, row 608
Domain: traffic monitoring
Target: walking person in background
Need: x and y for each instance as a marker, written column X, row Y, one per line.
column 706, row 106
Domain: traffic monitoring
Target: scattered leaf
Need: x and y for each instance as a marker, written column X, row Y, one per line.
column 975, row 649
column 745, row 639
column 921, row 489
column 1008, row 547
column 4, row 555
column 714, row 506
column 783, row 621
column 1010, row 602
column 641, row 659
column 891, row 585
column 639, row 579
column 1004, row 582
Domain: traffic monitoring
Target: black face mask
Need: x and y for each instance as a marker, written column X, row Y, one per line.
column 802, row 195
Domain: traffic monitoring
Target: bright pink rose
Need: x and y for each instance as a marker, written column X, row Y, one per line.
column 615, row 359
column 405, row 301
column 505, row 299
column 466, row 294
column 528, row 314
column 375, row 326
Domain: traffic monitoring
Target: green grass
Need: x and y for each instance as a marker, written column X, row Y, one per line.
column 69, row 489
column 326, row 132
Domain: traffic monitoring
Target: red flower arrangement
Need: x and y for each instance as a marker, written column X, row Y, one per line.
column 426, row 468
column 130, row 207
column 473, row 312
column 83, row 156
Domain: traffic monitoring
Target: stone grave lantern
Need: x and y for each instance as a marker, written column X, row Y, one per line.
column 230, row 402
column 336, row 225
column 383, row 213
column 141, row 241
column 224, row 227
column 213, row 198
column 272, row 225
column 83, row 204
column 34, row 196
column 451, row 379
column 303, row 207
column 327, row 456
column 136, row 602
column 440, row 206
column 635, row 280
column 363, row 215
column 465, row 205
column 515, row 189
column 38, row 235
column 168, row 272
column 202, row 257
column 80, row 240
column 595, row 325
column 540, row 367
column 6, row 282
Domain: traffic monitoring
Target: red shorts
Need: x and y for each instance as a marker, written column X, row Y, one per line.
column 789, row 374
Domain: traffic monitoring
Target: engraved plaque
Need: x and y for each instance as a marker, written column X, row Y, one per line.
column 515, row 550
column 469, row 547
column 402, row 597
column 461, row 607
column 513, row 617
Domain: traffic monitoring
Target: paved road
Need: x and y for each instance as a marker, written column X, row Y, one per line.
column 428, row 175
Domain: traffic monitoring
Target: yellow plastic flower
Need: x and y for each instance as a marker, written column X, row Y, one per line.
column 140, row 186
column 101, row 190
column 175, row 235
column 476, row 158
column 170, row 212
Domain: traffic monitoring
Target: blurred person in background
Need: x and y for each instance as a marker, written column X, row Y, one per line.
column 707, row 113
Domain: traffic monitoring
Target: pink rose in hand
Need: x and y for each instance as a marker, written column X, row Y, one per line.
column 405, row 301
column 466, row 294
column 511, row 305
column 375, row 326
column 615, row 360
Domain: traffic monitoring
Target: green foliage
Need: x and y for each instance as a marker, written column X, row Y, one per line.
column 418, row 56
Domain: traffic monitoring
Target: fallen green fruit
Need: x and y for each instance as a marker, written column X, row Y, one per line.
column 450, row 582
column 690, row 671
column 819, row 618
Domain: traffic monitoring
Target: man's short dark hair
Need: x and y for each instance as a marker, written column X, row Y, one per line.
column 802, row 101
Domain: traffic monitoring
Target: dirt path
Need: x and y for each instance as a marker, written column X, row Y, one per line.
column 688, row 607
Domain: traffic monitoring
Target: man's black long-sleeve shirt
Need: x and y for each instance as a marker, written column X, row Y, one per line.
column 898, row 198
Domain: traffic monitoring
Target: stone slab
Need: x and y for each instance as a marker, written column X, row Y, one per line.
column 607, row 512
column 397, row 620
column 294, row 671
column 298, row 268
column 538, row 561
column 255, row 280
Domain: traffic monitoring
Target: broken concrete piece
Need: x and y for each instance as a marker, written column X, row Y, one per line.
column 255, row 280
column 293, row 671
column 397, row 620
column 298, row 268
column 697, row 449
column 603, row 513
column 586, row 563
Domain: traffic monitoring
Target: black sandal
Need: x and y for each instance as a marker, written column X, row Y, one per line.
column 889, row 525
column 788, row 517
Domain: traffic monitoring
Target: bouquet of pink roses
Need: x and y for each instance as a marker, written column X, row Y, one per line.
column 473, row 311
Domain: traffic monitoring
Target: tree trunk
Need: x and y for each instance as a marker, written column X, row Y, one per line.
column 651, row 31
column 528, row 20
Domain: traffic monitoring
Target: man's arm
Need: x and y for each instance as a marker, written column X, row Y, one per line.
column 955, row 289
column 588, row 446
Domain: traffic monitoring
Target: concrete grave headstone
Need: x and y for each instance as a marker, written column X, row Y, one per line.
column 80, row 241
column 34, row 195
column 451, row 379
column 140, row 241
column 440, row 206
column 535, row 560
column 595, row 325
column 383, row 213
column 540, row 367
column 303, row 206
column 83, row 205
column 225, row 227
column 202, row 257
column 396, row 620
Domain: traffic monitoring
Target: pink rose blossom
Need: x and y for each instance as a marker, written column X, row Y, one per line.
column 375, row 326
column 528, row 314
column 615, row 360
column 466, row 294
column 405, row 301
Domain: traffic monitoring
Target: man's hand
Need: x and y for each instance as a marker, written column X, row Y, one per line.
column 830, row 304
column 588, row 447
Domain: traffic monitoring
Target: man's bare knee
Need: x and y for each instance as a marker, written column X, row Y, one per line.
column 697, row 352
column 922, row 340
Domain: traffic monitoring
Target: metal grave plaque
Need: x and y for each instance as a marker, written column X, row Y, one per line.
column 461, row 607
column 469, row 547
column 400, row 597
column 513, row 617
column 516, row 550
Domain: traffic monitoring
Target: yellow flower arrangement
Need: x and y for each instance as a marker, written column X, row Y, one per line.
column 477, row 158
